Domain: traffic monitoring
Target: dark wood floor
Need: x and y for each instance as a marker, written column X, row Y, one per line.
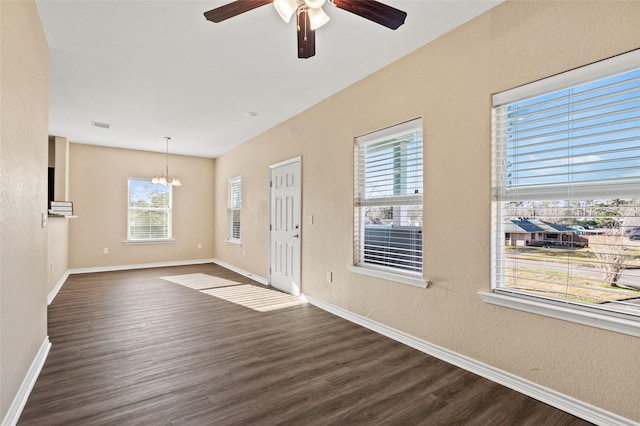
column 132, row 349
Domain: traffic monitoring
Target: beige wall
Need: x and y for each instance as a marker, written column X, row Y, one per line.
column 449, row 83
column 58, row 228
column 98, row 188
column 252, row 165
column 57, row 251
column 23, row 193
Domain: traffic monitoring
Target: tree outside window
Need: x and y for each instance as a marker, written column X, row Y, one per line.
column 149, row 213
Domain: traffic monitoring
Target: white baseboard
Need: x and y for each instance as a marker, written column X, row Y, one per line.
column 57, row 288
column 20, row 400
column 240, row 271
column 139, row 266
column 556, row 399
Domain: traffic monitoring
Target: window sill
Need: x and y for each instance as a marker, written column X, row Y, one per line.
column 135, row 242
column 390, row 276
column 558, row 310
column 237, row 243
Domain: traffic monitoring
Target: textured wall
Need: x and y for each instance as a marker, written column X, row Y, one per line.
column 98, row 188
column 449, row 83
column 24, row 56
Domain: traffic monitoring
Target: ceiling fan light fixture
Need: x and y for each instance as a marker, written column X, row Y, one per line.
column 314, row 4
column 286, row 8
column 308, row 10
column 318, row 18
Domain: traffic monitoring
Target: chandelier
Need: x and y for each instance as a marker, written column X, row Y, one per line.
column 164, row 179
column 317, row 16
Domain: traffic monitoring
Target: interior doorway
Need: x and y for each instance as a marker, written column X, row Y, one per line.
column 285, row 226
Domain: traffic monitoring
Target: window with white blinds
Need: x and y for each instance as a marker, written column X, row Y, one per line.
column 149, row 213
column 566, row 188
column 388, row 199
column 233, row 209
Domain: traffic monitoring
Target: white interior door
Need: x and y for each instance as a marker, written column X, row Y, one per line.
column 285, row 226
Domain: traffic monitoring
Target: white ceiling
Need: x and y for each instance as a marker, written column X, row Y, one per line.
column 158, row 68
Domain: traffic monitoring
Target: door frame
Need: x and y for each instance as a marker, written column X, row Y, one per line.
column 298, row 273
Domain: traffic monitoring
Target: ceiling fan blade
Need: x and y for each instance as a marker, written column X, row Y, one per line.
column 374, row 11
column 306, row 36
column 232, row 9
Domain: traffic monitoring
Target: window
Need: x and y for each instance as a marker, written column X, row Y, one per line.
column 233, row 209
column 149, row 217
column 388, row 199
column 566, row 171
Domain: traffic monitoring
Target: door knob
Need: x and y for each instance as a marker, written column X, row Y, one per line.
column 296, row 235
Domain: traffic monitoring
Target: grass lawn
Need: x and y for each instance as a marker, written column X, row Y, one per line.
column 581, row 285
column 573, row 287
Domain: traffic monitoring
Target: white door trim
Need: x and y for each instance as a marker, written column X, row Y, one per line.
column 285, row 162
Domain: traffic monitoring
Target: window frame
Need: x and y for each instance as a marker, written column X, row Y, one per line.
column 234, row 184
column 582, row 313
column 168, row 209
column 402, row 201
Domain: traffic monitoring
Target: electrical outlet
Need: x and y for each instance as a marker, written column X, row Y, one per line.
column 105, row 250
column 329, row 277
column 310, row 220
column 199, row 246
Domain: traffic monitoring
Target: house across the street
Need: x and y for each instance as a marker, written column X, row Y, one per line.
column 538, row 233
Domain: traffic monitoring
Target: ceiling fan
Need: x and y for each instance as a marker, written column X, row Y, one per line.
column 310, row 16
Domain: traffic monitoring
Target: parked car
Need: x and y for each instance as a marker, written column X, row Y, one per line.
column 635, row 235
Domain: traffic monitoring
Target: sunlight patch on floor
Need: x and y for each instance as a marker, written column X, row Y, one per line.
column 200, row 281
column 256, row 298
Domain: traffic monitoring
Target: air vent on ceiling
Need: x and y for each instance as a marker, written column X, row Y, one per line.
column 100, row 125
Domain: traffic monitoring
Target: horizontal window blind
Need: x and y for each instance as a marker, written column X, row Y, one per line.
column 149, row 216
column 233, row 211
column 388, row 198
column 148, row 225
column 566, row 186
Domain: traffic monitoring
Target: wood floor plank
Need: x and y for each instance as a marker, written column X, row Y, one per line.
column 130, row 348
